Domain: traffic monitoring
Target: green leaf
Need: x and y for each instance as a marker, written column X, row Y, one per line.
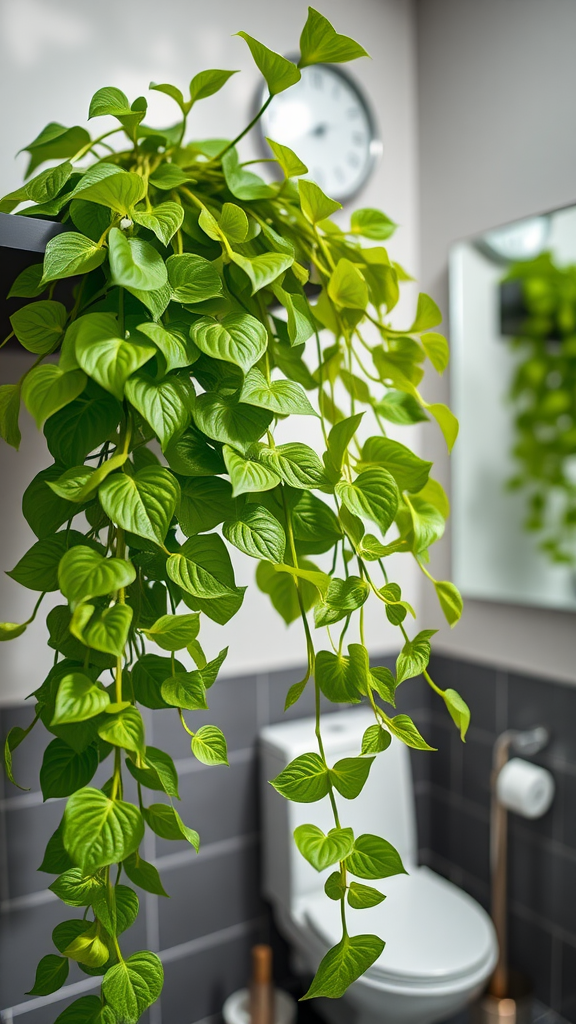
column 165, row 404
column 116, row 908
column 246, row 474
column 168, row 176
column 78, row 699
column 383, row 681
column 459, row 710
column 287, row 159
column 284, row 397
column 242, row 184
column 174, row 632
column 87, row 947
column 172, row 91
column 295, row 463
column 185, row 690
column 375, row 739
column 279, row 73
column 282, row 591
column 148, row 674
column 347, row 287
column 84, row 574
column 42, row 509
column 108, row 100
column 133, row 985
column 257, row 533
column 264, row 269
column 414, row 656
column 143, row 504
column 372, row 223
column 211, row 670
column 143, row 874
column 450, row 600
column 304, row 780
column 167, row 823
column 202, row 567
column 323, row 850
column 340, row 680
column 427, row 315
column 163, row 220
column 91, row 219
column 13, row 740
column 435, row 495
column 224, row 418
column 427, row 523
column 105, row 356
column 233, row 223
column 334, row 886
column 38, row 568
column 342, row 597
column 64, row 771
column 410, row 472
column 106, row 631
column 339, row 438
column 51, row 974
column 238, row 338
column 125, row 729
column 75, row 888
column 206, row 83
column 399, row 407
column 99, row 831
column 404, row 729
column 349, row 775
column 318, row 579
column 56, row 859
column 159, row 772
column 316, row 206
column 135, row 263
column 209, row 745
column 436, row 348
column 87, row 422
column 447, row 422
column 85, row 1010
column 46, row 389
column 373, row 857
column 46, row 186
column 173, row 341
column 69, row 254
column 28, row 283
column 344, row 964
column 119, row 192
column 321, row 44
column 9, row 414
column 316, row 528
column 361, row 897
column 373, row 495
column 11, row 630
column 205, row 502
column 40, row 325
column 192, row 278
column 79, row 482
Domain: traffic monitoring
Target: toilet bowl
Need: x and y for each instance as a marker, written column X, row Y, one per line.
column 440, row 944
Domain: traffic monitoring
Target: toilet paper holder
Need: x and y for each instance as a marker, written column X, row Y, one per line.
column 506, row 999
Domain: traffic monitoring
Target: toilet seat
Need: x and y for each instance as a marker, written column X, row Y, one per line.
column 436, row 934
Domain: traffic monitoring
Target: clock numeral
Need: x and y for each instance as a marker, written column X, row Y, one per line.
column 353, row 160
column 358, row 137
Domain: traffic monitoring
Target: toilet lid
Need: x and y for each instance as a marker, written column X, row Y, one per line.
column 433, row 931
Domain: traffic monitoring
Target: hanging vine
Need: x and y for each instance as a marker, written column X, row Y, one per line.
column 191, row 335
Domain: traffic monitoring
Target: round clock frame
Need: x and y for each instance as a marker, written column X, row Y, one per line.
column 374, row 142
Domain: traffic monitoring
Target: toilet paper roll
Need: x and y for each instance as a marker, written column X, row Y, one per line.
column 525, row 788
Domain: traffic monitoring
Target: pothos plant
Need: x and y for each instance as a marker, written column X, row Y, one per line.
column 190, row 336
column 542, row 393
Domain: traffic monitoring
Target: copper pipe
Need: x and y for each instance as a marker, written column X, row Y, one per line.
column 261, row 989
column 498, row 864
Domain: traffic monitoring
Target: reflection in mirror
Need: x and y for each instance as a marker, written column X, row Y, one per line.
column 513, row 330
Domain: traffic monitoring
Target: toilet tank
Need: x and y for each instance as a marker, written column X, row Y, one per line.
column 385, row 806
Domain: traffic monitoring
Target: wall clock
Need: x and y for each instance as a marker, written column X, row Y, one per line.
column 328, row 123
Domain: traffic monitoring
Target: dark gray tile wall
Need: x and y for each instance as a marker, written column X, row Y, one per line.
column 215, row 914
column 205, row 931
column 542, row 853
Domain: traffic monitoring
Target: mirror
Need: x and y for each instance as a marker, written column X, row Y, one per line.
column 513, row 333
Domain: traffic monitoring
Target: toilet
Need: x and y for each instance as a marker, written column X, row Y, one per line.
column 440, row 944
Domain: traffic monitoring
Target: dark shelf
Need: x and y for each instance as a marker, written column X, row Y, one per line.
column 22, row 243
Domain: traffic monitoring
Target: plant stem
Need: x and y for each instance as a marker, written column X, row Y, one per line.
column 246, row 130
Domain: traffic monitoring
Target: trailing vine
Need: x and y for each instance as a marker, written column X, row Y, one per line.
column 542, row 393
column 191, row 334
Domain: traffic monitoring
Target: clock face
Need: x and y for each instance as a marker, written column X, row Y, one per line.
column 327, row 123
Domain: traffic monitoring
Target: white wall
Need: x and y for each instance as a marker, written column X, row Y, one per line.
column 53, row 55
column 497, row 142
